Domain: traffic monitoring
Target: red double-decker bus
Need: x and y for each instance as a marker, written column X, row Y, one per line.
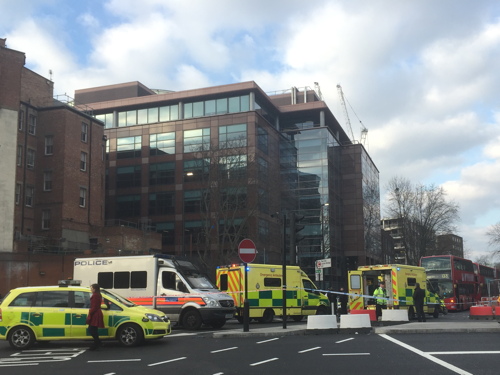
column 485, row 277
column 453, row 278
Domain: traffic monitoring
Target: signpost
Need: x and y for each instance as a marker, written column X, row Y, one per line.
column 247, row 252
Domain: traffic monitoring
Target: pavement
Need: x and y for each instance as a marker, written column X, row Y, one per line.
column 483, row 326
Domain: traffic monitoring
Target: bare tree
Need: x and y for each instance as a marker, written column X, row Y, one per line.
column 494, row 238
column 234, row 194
column 423, row 212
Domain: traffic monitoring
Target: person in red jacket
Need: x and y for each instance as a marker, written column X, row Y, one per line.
column 95, row 318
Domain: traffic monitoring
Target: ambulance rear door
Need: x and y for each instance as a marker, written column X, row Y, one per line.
column 356, row 290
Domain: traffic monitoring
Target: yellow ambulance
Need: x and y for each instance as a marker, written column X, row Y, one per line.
column 51, row 313
column 265, row 291
column 400, row 281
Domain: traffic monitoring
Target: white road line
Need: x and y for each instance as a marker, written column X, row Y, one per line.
column 456, row 353
column 115, row 360
column 263, row 342
column 341, row 341
column 170, row 360
column 262, row 362
column 18, row 364
column 426, row 355
column 339, row 354
column 224, row 350
column 309, row 350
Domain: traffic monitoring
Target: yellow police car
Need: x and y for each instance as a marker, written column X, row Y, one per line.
column 31, row 314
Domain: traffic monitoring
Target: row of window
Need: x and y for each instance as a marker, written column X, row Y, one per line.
column 32, row 120
column 195, row 201
column 30, row 155
column 229, row 167
column 171, row 113
column 29, row 192
column 230, row 136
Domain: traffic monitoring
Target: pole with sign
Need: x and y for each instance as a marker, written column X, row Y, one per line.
column 247, row 252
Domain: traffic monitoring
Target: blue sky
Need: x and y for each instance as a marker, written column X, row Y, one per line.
column 423, row 76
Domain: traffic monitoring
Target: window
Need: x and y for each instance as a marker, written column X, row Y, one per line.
column 195, row 201
column 49, row 145
column 24, row 299
column 52, row 298
column 128, row 147
column 21, row 120
column 19, row 155
column 128, row 176
column 83, row 161
column 262, row 140
column 272, row 282
column 82, row 300
column 162, row 203
column 107, row 119
column 83, row 197
column 233, row 167
column 45, row 219
column 18, row 193
column 85, row 129
column 32, row 124
column 128, row 205
column 167, row 231
column 197, row 140
column 47, row 181
column 162, row 173
column 233, row 136
column 234, row 198
column 160, row 144
column 196, row 170
column 30, row 158
column 30, row 190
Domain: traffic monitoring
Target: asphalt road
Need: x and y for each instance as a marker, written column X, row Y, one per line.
column 199, row 353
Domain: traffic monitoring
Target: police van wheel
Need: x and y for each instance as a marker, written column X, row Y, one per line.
column 218, row 323
column 21, row 337
column 267, row 317
column 191, row 320
column 130, row 335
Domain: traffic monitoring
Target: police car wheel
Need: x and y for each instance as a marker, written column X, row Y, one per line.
column 130, row 335
column 191, row 320
column 21, row 337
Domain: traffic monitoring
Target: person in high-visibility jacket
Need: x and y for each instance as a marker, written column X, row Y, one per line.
column 380, row 295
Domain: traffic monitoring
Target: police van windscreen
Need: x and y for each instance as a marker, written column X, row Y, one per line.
column 198, row 281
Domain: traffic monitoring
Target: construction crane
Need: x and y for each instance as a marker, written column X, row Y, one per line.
column 364, row 130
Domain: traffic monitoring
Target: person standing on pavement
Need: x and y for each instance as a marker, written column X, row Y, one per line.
column 332, row 297
column 343, row 301
column 95, row 319
column 380, row 295
column 418, row 301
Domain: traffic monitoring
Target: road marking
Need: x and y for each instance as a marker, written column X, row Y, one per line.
column 18, row 364
column 262, row 362
column 170, row 360
column 346, row 354
column 341, row 341
column 115, row 360
column 263, row 342
column 426, row 355
column 223, row 350
column 309, row 350
column 485, row 352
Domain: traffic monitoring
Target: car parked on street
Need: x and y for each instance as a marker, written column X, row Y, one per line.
column 51, row 313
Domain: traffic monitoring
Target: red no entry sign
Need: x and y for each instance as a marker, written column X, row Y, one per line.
column 247, row 251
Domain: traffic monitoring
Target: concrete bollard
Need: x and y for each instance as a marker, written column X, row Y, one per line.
column 322, row 322
column 356, row 322
column 395, row 316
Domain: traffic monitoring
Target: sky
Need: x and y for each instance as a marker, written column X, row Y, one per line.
column 422, row 76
